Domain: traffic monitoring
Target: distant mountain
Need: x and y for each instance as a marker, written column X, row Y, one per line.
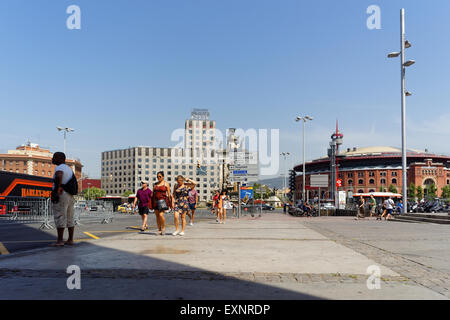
column 273, row 182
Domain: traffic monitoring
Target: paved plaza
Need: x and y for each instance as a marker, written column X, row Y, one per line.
column 275, row 256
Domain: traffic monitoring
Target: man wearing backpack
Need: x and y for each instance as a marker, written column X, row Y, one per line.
column 64, row 188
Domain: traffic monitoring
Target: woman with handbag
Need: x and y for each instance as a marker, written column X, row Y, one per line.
column 180, row 203
column 161, row 201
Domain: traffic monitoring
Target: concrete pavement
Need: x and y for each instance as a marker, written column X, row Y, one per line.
column 272, row 257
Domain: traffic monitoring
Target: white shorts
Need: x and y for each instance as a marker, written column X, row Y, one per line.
column 63, row 211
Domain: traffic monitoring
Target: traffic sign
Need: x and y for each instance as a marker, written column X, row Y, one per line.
column 319, row 181
column 339, row 183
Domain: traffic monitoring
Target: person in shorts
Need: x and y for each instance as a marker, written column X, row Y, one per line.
column 193, row 200
column 388, row 209
column 63, row 208
column 143, row 196
column 372, row 206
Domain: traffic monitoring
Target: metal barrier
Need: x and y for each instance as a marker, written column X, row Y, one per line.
column 94, row 210
column 26, row 210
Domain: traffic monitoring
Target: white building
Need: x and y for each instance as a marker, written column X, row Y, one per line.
column 124, row 169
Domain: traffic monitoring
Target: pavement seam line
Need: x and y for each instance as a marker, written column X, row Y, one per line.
column 3, row 249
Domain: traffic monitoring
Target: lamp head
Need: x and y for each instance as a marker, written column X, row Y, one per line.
column 393, row 54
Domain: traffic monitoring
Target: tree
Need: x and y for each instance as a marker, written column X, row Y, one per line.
column 127, row 193
column 431, row 191
column 93, row 193
column 382, row 189
column 392, row 189
column 412, row 191
column 445, row 192
column 419, row 192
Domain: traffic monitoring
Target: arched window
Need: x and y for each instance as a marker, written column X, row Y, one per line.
column 394, row 181
column 383, row 181
column 371, row 190
column 360, row 181
column 360, row 191
column 350, row 182
column 371, row 181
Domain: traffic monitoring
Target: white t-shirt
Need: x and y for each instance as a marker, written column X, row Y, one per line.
column 388, row 203
column 67, row 172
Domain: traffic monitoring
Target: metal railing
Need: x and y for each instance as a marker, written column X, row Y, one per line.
column 21, row 210
column 26, row 210
column 92, row 211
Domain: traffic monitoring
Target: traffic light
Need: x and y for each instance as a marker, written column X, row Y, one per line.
column 292, row 186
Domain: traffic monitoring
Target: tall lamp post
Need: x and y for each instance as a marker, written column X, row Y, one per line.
column 404, row 44
column 304, row 119
column 285, row 155
column 66, row 130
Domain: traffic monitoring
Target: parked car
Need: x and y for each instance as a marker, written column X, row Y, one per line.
column 267, row 207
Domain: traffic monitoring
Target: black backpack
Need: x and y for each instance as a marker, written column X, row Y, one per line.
column 71, row 186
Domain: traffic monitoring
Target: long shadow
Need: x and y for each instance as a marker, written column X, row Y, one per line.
column 117, row 274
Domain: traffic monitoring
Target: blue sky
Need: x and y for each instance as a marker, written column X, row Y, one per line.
column 134, row 71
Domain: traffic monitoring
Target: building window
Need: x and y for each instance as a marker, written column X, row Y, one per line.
column 360, row 181
column 371, row 181
column 350, row 182
column 350, row 175
column 383, row 181
column 394, row 181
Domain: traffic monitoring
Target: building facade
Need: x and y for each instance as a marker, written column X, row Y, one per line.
column 123, row 169
column 36, row 161
column 372, row 169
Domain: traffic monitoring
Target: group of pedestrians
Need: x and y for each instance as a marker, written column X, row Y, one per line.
column 388, row 208
column 221, row 203
column 182, row 200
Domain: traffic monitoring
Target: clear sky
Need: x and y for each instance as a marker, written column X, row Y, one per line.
column 134, row 71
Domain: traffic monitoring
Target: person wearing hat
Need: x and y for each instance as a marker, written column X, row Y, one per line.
column 144, row 196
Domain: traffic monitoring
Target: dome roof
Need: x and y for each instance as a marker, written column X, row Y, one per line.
column 378, row 150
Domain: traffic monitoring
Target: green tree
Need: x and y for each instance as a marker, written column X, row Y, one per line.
column 412, row 191
column 382, row 189
column 93, row 193
column 392, row 189
column 419, row 192
column 445, row 192
column 127, row 193
column 431, row 191
column 266, row 191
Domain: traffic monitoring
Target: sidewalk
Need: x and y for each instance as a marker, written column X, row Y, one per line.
column 272, row 257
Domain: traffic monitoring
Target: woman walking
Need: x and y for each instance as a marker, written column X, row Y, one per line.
column 215, row 204
column 144, row 196
column 180, row 203
column 193, row 200
column 162, row 199
column 223, row 198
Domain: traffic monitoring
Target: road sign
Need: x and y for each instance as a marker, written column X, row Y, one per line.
column 339, row 183
column 319, row 181
column 244, row 173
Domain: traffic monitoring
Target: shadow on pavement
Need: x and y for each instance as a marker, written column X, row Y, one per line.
column 108, row 273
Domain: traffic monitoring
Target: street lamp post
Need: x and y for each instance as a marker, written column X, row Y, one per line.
column 304, row 119
column 404, row 44
column 66, row 130
column 285, row 155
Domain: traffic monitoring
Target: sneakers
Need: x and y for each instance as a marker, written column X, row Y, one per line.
column 191, row 224
column 175, row 233
column 181, row 233
column 217, row 220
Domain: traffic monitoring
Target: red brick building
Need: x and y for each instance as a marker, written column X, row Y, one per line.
column 32, row 160
column 90, row 183
column 370, row 169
